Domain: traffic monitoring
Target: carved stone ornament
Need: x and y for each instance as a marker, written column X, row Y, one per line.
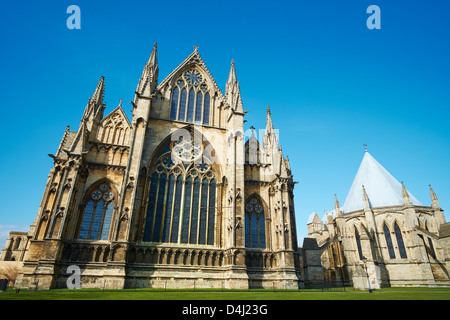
column 124, row 215
column 130, row 184
column 45, row 215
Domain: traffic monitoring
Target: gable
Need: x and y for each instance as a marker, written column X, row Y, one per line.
column 195, row 62
column 114, row 128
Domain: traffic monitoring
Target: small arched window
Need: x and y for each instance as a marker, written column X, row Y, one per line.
column 255, row 226
column 18, row 243
column 401, row 245
column 97, row 215
column 387, row 235
column 193, row 104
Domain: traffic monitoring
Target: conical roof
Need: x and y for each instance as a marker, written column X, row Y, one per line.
column 381, row 187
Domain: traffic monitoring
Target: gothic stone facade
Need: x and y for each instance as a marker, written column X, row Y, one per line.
column 396, row 245
column 174, row 198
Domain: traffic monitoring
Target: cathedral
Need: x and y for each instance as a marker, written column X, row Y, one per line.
column 180, row 196
column 383, row 236
column 177, row 197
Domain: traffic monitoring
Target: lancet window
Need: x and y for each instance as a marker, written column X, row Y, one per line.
column 358, row 244
column 191, row 99
column 401, row 245
column 387, row 235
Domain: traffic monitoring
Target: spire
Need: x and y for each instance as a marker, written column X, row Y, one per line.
column 270, row 138
column 434, row 198
column 149, row 78
column 405, row 195
column 232, row 90
column 95, row 106
column 232, row 76
column 365, row 199
column 96, row 100
column 99, row 92
column 269, row 123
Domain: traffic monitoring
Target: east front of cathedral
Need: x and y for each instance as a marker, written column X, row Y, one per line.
column 182, row 197
column 174, row 198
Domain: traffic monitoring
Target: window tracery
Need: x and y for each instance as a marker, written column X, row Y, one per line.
column 97, row 215
column 191, row 99
column 181, row 203
column 255, row 229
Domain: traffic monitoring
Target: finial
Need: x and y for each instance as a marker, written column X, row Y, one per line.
column 195, row 48
column 365, row 147
column 405, row 195
column 337, row 206
column 366, row 200
column 120, row 102
column 253, row 130
column 268, row 109
column 434, row 198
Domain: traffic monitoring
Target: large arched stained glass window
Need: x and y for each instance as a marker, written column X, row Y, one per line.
column 255, row 227
column 182, row 196
column 97, row 215
column 191, row 99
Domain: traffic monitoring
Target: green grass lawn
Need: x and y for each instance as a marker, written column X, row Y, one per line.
column 155, row 294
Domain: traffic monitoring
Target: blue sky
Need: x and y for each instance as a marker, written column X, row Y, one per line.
column 331, row 83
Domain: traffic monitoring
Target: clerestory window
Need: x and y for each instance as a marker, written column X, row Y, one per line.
column 191, row 99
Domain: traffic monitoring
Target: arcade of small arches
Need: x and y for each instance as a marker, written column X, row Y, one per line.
column 97, row 253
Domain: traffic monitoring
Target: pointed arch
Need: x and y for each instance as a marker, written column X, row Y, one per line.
column 191, row 87
column 400, row 243
column 387, row 236
column 174, row 104
column 255, row 222
column 97, row 210
column 358, row 243
column 181, row 196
